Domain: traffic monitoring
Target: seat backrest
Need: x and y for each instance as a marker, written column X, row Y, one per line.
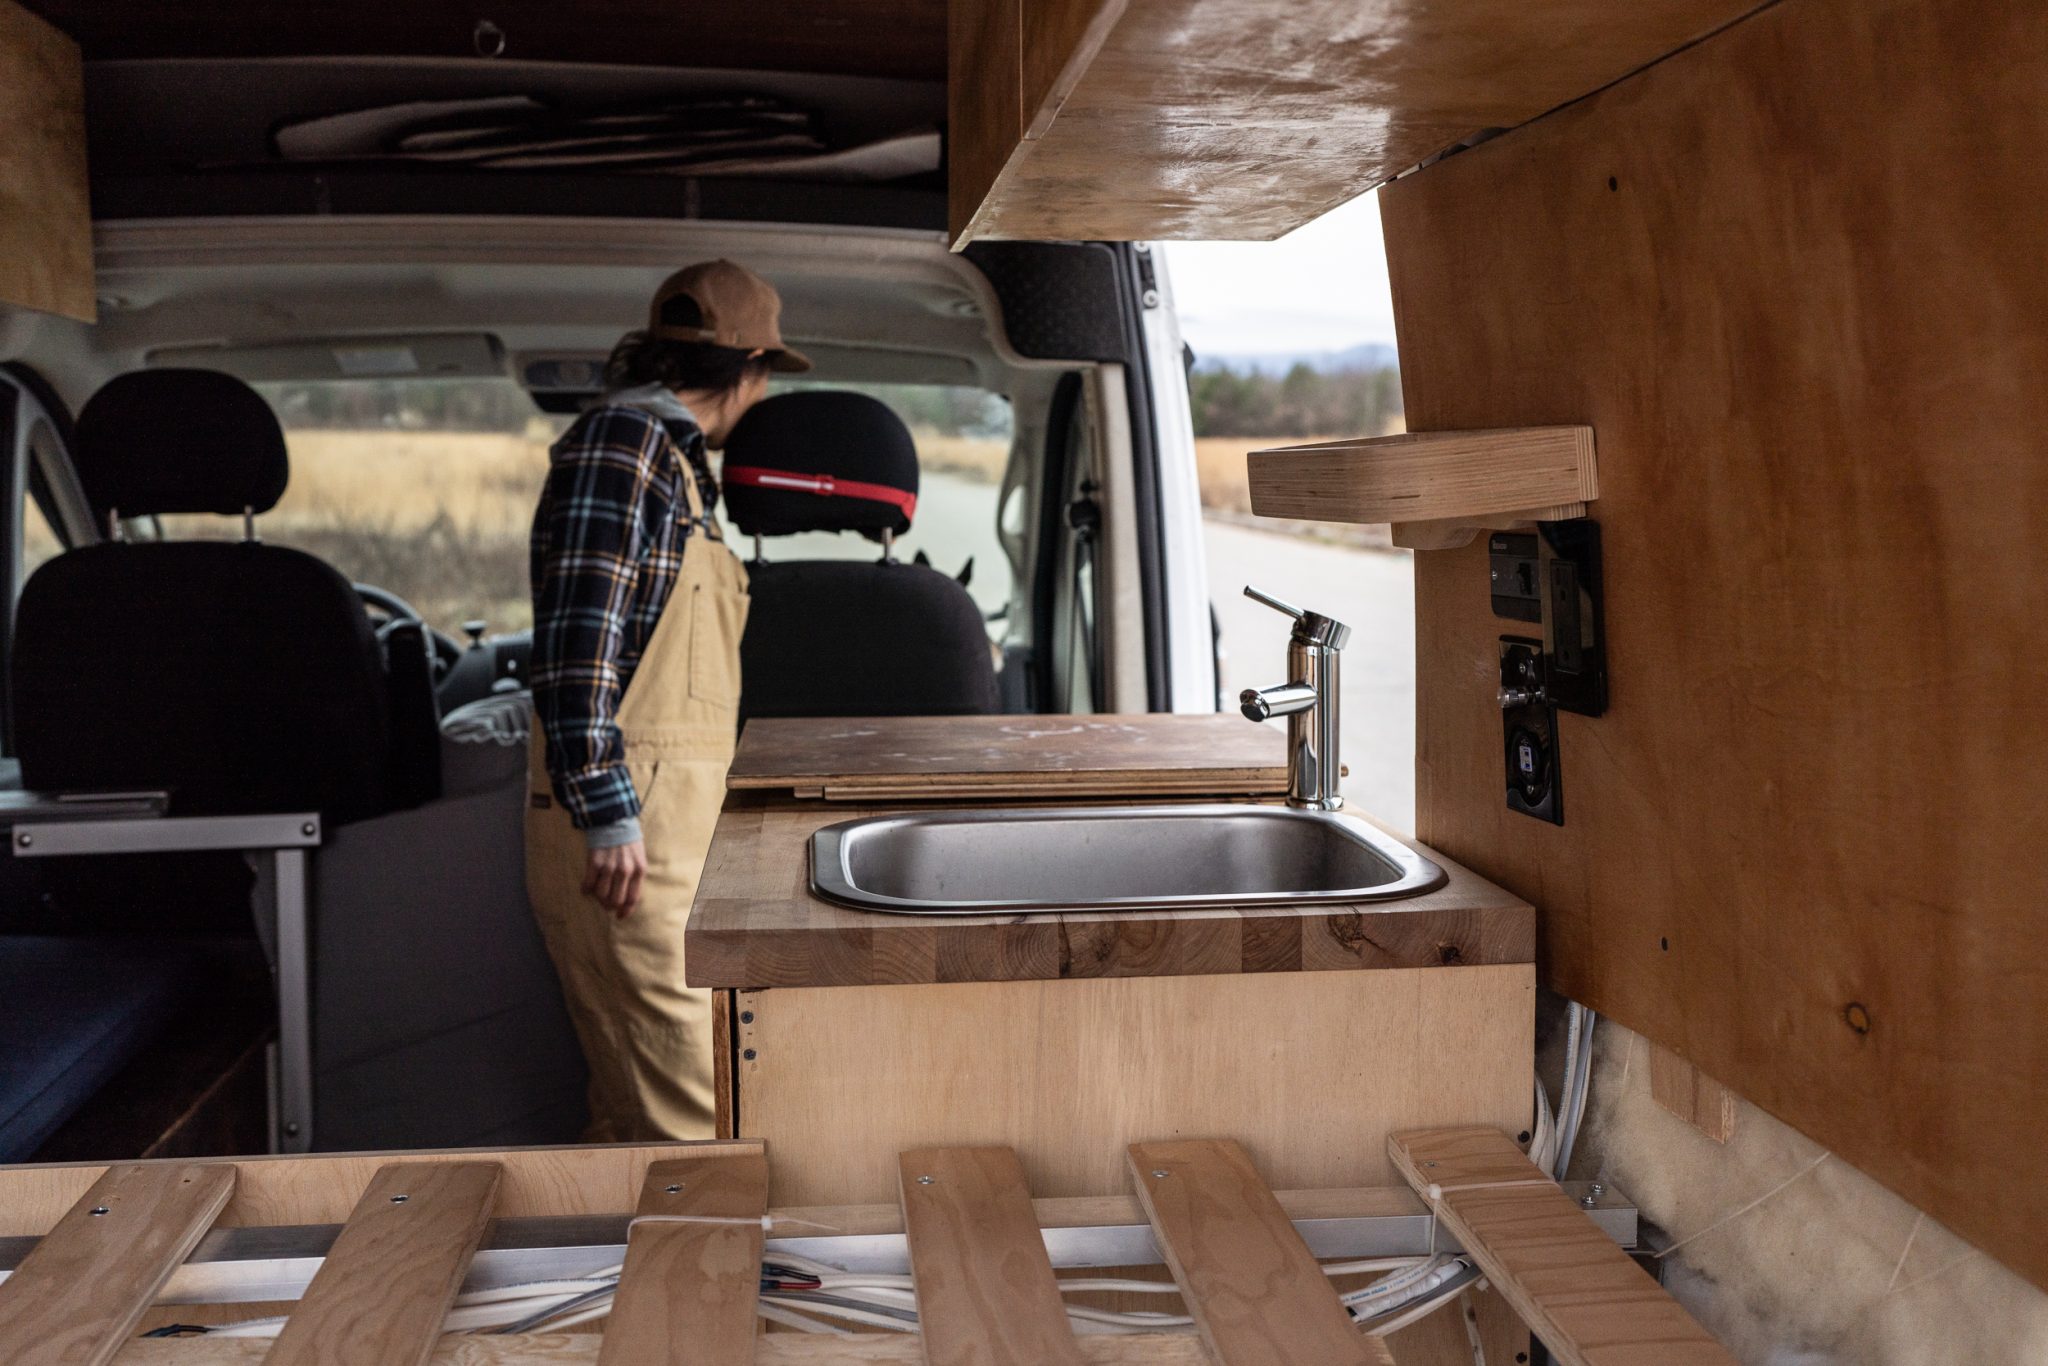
column 241, row 677
column 840, row 637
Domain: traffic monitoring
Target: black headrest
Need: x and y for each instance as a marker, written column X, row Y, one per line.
column 180, row 441
column 820, row 460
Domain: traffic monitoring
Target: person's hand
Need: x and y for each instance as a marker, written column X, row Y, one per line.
column 613, row 876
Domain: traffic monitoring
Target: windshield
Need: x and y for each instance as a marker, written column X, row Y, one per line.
column 426, row 489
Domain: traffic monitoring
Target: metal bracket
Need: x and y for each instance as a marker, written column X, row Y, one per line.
column 282, row 910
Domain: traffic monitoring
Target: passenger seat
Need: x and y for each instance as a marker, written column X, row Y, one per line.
column 846, row 637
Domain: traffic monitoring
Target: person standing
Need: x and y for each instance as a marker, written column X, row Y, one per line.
column 638, row 606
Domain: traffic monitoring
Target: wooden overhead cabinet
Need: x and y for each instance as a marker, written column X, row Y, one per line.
column 1244, row 119
column 45, row 215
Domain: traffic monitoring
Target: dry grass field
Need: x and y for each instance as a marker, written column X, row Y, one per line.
column 441, row 518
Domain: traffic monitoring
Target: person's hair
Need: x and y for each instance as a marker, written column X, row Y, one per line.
column 640, row 359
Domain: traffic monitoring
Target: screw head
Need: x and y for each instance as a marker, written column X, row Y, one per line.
column 924, row 1180
column 400, row 1199
column 746, row 1017
column 748, row 1055
column 98, row 1210
column 1159, row 1174
column 675, row 1189
column 1586, row 1200
column 24, row 839
column 1597, row 1189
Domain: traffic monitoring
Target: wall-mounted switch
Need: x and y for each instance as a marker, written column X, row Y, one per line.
column 1574, row 648
column 1511, row 566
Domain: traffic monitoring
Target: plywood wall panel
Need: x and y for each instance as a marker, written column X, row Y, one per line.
column 45, row 217
column 1796, row 278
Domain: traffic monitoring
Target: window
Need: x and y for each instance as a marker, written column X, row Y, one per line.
column 38, row 541
column 426, row 489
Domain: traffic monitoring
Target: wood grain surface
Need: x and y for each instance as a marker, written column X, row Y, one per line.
column 45, row 216
column 1427, row 476
column 844, row 758
column 986, row 1294
column 1802, row 849
column 689, row 1289
column 1256, row 1294
column 324, row 1189
column 382, row 1294
column 1691, row 1094
column 79, row 1292
column 1310, row 1070
column 1245, row 120
column 1586, row 1298
column 774, row 1349
column 757, row 924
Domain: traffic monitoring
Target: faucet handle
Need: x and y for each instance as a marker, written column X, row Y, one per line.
column 1310, row 628
column 1286, row 608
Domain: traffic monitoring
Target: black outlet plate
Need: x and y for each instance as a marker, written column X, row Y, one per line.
column 1535, row 779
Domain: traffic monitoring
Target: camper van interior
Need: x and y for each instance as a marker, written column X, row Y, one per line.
column 1053, row 1004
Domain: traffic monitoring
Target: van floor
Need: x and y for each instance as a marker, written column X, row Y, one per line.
column 198, row 1090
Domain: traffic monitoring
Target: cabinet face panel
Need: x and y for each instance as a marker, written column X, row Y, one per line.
column 1309, row 1070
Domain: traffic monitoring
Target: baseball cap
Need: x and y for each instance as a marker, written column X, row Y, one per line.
column 725, row 304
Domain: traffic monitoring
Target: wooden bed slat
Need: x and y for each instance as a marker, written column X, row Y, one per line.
column 689, row 1289
column 383, row 1293
column 1585, row 1298
column 75, row 1298
column 1256, row 1294
column 986, row 1293
column 581, row 1349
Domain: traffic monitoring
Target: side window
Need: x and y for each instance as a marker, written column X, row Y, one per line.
column 39, row 541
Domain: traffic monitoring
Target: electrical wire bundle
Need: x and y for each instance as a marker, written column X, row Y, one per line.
column 815, row 1297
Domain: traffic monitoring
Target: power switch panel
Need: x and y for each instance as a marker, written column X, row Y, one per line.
column 1511, row 558
column 1575, row 655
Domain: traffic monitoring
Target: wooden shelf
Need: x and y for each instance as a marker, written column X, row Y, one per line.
column 1437, row 489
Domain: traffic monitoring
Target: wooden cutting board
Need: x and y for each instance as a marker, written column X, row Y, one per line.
column 916, row 758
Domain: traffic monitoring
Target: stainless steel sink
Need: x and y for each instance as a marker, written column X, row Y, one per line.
column 1058, row 858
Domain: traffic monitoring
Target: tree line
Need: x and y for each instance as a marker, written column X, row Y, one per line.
column 1304, row 401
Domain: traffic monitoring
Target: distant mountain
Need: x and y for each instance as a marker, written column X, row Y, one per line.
column 1365, row 356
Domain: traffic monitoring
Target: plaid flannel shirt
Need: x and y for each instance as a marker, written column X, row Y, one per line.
column 607, row 547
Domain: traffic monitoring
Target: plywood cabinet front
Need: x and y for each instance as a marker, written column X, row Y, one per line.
column 1127, row 119
column 1309, row 1070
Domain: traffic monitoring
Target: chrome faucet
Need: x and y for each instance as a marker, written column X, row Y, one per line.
column 1308, row 701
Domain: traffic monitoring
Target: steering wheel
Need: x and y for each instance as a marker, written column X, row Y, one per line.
column 396, row 611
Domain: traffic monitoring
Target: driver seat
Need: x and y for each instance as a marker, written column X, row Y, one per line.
column 239, row 677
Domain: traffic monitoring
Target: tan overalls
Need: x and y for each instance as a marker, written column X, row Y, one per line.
column 646, row 1036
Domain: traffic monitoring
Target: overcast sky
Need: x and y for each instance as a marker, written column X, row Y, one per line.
column 1321, row 288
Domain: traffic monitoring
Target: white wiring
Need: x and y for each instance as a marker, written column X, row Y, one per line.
column 1469, row 1311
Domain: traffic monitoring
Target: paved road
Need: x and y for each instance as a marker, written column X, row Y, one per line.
column 1373, row 591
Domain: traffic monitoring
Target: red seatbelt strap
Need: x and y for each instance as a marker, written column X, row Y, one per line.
column 823, row 484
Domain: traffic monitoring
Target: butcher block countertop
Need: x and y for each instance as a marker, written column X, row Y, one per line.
column 925, row 758
column 757, row 924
